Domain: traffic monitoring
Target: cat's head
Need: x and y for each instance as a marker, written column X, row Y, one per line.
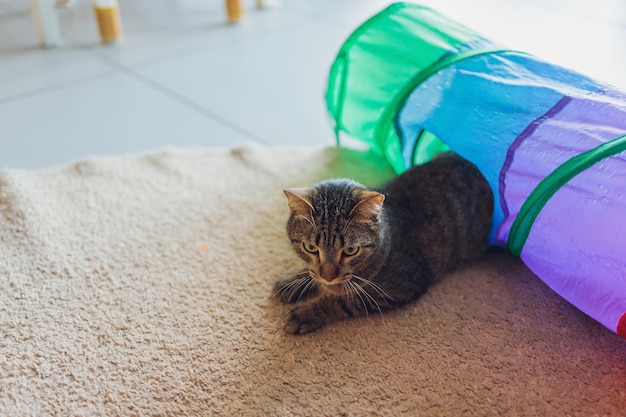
column 336, row 227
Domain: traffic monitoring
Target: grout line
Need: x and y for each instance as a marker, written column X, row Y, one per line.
column 210, row 47
column 196, row 107
column 181, row 99
column 128, row 71
column 172, row 94
column 132, row 73
column 55, row 87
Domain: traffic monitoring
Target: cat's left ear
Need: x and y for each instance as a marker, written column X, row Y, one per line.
column 369, row 206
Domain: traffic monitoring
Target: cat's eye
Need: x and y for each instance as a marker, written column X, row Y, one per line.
column 310, row 248
column 351, row 250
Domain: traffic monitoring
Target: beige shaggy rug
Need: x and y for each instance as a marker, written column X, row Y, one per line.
column 140, row 286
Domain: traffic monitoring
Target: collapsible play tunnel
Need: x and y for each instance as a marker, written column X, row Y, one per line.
column 410, row 83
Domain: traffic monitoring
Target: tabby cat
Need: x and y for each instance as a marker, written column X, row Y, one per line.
column 373, row 250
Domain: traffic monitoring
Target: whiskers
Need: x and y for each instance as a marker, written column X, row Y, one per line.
column 301, row 283
column 360, row 294
column 355, row 291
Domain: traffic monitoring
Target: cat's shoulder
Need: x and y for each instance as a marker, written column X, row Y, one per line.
column 448, row 165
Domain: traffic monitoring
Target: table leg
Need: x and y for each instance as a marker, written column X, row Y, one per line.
column 47, row 22
column 234, row 10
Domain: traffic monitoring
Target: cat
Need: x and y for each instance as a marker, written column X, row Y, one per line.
column 377, row 249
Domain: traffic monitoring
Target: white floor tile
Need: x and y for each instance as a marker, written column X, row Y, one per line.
column 271, row 86
column 154, row 30
column 25, row 68
column 109, row 116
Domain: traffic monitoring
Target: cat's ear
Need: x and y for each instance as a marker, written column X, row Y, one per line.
column 369, row 206
column 298, row 200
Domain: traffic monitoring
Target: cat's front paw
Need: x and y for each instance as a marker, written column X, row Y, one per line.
column 303, row 319
column 295, row 288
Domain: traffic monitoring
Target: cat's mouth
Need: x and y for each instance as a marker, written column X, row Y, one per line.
column 337, row 281
column 334, row 285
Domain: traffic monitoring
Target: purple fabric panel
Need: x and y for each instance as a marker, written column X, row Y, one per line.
column 582, row 124
column 530, row 129
column 578, row 242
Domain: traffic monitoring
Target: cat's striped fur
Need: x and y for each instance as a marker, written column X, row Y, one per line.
column 372, row 250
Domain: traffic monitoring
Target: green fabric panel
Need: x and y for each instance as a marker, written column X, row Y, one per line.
column 521, row 227
column 427, row 147
column 388, row 51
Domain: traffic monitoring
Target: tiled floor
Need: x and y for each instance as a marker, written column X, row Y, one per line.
column 183, row 77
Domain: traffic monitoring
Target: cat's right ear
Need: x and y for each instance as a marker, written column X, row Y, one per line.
column 368, row 207
column 298, row 200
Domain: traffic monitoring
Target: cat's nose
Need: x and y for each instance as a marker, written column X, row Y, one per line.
column 329, row 272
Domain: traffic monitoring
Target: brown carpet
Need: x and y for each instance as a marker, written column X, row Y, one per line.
column 139, row 286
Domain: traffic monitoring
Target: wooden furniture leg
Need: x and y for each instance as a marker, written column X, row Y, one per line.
column 108, row 18
column 47, row 22
column 234, row 9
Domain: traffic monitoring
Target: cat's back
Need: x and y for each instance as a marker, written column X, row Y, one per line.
column 444, row 174
column 445, row 180
column 445, row 205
